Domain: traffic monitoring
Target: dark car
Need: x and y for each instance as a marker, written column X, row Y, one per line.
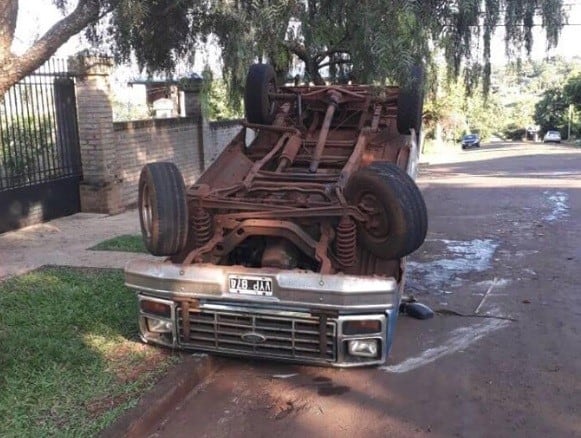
column 470, row 140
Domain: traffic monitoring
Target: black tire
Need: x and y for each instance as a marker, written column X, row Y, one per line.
column 163, row 210
column 401, row 214
column 410, row 103
column 258, row 105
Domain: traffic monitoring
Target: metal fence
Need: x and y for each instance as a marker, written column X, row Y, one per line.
column 40, row 160
column 38, row 129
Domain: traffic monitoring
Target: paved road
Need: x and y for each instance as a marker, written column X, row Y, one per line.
column 505, row 237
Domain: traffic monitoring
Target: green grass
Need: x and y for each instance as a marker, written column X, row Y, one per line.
column 126, row 242
column 70, row 361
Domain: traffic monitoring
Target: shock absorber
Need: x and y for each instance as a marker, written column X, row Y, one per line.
column 346, row 242
column 202, row 225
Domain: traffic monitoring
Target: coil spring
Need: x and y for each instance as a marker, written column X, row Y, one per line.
column 346, row 242
column 202, row 224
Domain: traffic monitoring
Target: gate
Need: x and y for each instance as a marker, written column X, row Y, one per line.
column 40, row 162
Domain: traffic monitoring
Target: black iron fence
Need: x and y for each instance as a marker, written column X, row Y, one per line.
column 38, row 129
column 40, row 163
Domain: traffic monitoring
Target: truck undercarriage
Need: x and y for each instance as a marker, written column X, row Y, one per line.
column 292, row 244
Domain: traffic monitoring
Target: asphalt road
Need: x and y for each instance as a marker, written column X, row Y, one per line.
column 505, row 238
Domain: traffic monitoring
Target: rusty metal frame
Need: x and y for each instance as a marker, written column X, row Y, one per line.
column 275, row 198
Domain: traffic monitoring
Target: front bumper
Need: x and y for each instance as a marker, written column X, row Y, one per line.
column 303, row 321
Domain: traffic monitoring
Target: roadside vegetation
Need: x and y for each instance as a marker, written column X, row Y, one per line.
column 125, row 243
column 70, row 362
column 544, row 94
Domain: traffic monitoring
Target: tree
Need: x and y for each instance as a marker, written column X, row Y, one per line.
column 377, row 40
column 556, row 105
column 551, row 110
column 12, row 67
column 572, row 91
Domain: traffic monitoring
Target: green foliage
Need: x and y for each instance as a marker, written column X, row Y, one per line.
column 216, row 102
column 572, row 91
column 551, row 110
column 559, row 107
column 26, row 146
column 375, row 41
column 450, row 112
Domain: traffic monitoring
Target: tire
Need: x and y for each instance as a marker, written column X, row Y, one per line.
column 401, row 219
column 258, row 106
column 163, row 210
column 410, row 103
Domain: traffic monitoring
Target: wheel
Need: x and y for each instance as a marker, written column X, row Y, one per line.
column 398, row 215
column 163, row 210
column 258, row 105
column 410, row 103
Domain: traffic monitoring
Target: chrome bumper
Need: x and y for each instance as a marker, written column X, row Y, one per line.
column 301, row 322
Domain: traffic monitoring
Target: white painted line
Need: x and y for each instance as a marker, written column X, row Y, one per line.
column 460, row 339
column 486, row 295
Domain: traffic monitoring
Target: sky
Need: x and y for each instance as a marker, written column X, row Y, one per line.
column 37, row 16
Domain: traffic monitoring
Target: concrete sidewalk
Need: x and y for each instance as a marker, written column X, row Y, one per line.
column 65, row 241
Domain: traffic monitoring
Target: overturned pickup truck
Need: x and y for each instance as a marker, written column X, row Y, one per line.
column 291, row 245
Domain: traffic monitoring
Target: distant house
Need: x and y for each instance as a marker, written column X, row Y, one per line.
column 169, row 98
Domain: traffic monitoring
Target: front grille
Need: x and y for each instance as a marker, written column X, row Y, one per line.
column 281, row 337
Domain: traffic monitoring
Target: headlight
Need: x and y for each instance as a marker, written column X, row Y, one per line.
column 363, row 347
column 159, row 326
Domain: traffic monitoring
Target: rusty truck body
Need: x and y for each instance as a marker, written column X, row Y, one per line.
column 292, row 244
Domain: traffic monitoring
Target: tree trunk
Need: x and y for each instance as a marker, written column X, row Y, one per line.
column 8, row 16
column 312, row 69
column 8, row 75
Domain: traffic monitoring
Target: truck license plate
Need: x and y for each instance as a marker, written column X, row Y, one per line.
column 248, row 285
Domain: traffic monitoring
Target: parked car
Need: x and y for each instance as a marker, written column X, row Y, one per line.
column 552, row 136
column 290, row 246
column 470, row 140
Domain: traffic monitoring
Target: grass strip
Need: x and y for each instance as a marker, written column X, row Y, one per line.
column 125, row 242
column 70, row 360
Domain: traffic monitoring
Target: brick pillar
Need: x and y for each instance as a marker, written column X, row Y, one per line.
column 100, row 190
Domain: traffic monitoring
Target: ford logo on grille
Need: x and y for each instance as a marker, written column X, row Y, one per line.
column 253, row 337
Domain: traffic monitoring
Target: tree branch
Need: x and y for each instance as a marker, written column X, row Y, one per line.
column 297, row 49
column 14, row 68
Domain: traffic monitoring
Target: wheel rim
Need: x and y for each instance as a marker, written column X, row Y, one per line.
column 378, row 225
column 146, row 212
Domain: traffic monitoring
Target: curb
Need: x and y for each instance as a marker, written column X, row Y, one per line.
column 165, row 395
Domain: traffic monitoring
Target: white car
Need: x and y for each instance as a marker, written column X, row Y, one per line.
column 552, row 136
